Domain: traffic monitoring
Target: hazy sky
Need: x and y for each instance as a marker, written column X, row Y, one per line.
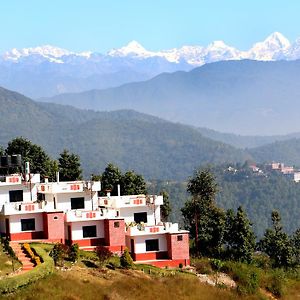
column 157, row 24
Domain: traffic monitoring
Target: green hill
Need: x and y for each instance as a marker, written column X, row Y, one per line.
column 149, row 145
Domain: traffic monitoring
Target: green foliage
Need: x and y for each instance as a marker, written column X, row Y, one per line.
column 103, row 255
column 275, row 282
column 276, row 243
column 165, row 209
column 39, row 161
column 59, row 253
column 69, row 166
column 110, row 179
column 202, row 217
column 126, row 260
column 295, row 243
column 11, row 284
column 246, row 276
column 239, row 236
column 74, row 252
column 133, row 184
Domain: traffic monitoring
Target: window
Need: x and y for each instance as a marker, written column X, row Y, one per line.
column 77, row 203
column 152, row 245
column 55, row 218
column 89, row 231
column 116, row 224
column 179, row 238
column 27, row 224
column 16, row 196
column 140, row 217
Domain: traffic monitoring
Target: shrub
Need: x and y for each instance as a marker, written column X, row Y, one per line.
column 246, row 276
column 126, row 259
column 103, row 255
column 59, row 253
column 275, row 283
column 74, row 253
column 34, row 258
column 203, row 266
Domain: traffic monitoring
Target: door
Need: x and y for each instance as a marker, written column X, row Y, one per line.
column 132, row 248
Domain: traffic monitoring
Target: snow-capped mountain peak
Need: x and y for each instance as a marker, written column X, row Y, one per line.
column 273, row 47
column 133, row 49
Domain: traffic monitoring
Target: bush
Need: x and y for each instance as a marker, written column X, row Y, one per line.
column 34, row 258
column 11, row 284
column 275, row 283
column 74, row 252
column 126, row 260
column 59, row 253
column 203, row 266
column 103, row 255
column 246, row 276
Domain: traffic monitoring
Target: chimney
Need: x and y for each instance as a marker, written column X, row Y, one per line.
column 57, row 177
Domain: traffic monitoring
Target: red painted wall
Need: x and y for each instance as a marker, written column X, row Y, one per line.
column 89, row 242
column 23, row 236
column 150, row 255
column 54, row 228
column 178, row 249
column 114, row 236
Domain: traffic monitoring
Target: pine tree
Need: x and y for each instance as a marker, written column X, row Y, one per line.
column 69, row 166
column 110, row 179
column 133, row 184
column 165, row 209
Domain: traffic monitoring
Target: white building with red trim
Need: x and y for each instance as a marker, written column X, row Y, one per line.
column 72, row 212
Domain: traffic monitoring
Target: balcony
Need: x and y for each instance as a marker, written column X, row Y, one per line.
column 61, row 187
column 18, row 208
column 86, row 215
column 141, row 229
column 129, row 201
column 10, row 180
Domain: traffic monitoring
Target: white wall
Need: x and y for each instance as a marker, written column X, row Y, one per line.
column 77, row 229
column 4, row 193
column 128, row 213
column 15, row 222
column 63, row 201
column 140, row 244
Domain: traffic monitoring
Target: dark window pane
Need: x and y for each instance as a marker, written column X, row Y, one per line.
column 16, row 196
column 116, row 224
column 140, row 217
column 77, row 203
column 89, row 231
column 152, row 245
column 27, row 224
column 179, row 238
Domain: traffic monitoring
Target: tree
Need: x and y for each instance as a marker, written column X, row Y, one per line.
column 110, row 179
column 133, row 184
column 295, row 241
column 39, row 161
column 239, row 236
column 126, row 260
column 1, row 151
column 203, row 218
column 103, row 255
column 165, row 209
column 69, row 166
column 276, row 243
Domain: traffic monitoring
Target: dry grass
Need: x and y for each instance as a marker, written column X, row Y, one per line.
column 82, row 283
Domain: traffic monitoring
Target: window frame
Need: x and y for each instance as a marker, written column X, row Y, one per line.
column 14, row 192
column 86, row 234
column 25, row 223
column 75, row 200
column 150, row 246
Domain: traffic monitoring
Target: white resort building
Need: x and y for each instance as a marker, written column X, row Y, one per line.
column 72, row 212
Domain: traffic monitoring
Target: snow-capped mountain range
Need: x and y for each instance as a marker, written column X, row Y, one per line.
column 48, row 70
column 274, row 47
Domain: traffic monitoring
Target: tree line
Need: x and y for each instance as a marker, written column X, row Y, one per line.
column 229, row 235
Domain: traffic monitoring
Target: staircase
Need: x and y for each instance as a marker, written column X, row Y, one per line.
column 22, row 256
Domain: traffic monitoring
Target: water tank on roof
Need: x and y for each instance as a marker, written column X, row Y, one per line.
column 16, row 160
column 6, row 161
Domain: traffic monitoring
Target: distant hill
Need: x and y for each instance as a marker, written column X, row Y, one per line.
column 283, row 151
column 244, row 97
column 149, row 145
column 245, row 141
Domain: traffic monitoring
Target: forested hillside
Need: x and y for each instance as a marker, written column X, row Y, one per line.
column 151, row 146
column 259, row 195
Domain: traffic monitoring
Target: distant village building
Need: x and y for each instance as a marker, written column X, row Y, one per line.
column 72, row 212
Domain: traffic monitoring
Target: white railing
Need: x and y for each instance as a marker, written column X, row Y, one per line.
column 61, row 187
column 141, row 229
column 129, row 201
column 83, row 215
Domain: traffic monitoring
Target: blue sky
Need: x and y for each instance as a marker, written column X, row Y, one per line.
column 157, row 24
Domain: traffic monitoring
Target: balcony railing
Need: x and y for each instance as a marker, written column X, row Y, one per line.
column 129, row 201
column 141, row 229
column 84, row 215
column 25, row 207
